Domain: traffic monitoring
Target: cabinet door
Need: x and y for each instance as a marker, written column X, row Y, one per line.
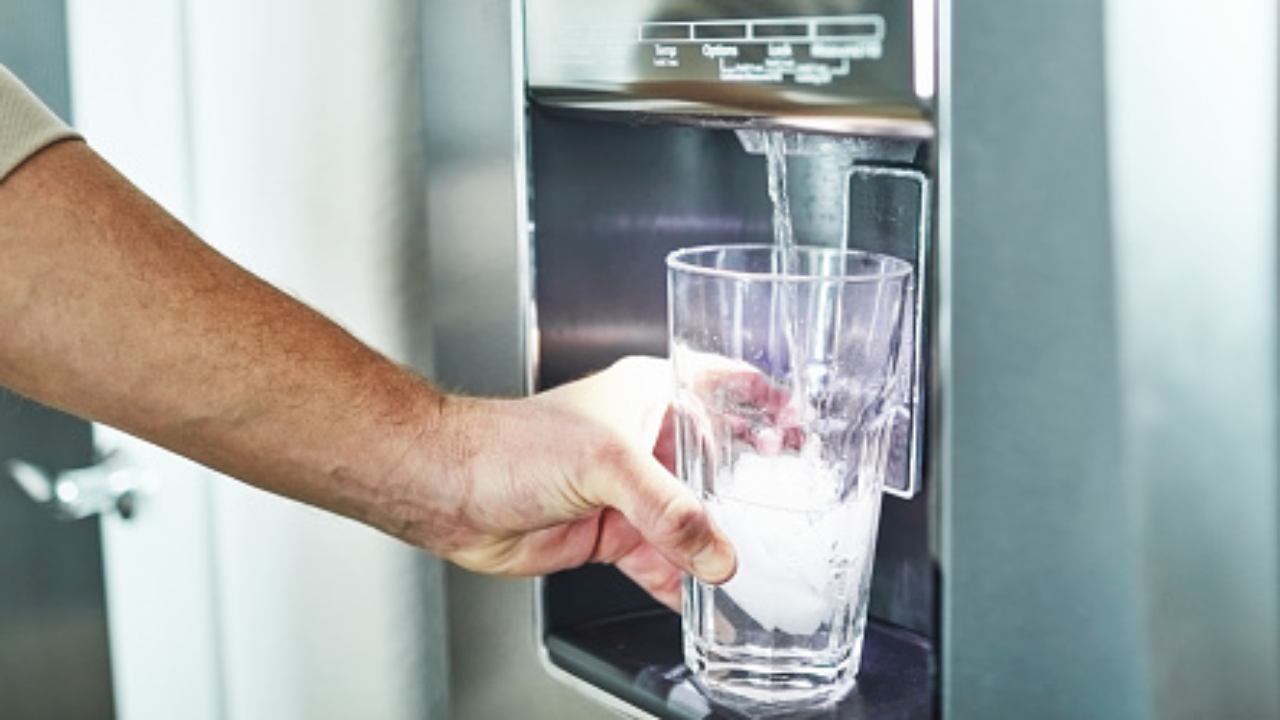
column 129, row 91
column 54, row 659
column 53, row 622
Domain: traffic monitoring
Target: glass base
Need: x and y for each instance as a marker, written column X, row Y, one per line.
column 763, row 681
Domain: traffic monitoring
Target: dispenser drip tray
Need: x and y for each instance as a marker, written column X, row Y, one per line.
column 637, row 658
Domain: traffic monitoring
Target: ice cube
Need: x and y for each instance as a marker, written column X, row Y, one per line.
column 782, row 515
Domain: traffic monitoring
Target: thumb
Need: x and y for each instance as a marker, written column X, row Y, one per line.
column 665, row 512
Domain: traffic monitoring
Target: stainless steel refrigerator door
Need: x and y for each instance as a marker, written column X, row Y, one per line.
column 1194, row 203
column 1109, row 284
column 1042, row 577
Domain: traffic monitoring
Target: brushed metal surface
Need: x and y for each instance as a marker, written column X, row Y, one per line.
column 846, row 65
column 1042, row 576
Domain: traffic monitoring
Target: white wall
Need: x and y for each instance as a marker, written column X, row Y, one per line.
column 293, row 144
column 306, row 138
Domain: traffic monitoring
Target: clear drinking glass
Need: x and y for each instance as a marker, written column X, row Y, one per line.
column 788, row 368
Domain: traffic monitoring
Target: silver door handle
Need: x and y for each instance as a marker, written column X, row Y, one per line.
column 107, row 487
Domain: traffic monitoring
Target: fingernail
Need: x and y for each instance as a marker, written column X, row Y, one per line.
column 715, row 563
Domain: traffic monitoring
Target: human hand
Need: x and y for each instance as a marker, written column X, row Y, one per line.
column 564, row 478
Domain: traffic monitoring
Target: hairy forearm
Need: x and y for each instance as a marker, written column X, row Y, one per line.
column 111, row 309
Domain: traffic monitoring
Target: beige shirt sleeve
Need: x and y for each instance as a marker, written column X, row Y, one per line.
column 26, row 125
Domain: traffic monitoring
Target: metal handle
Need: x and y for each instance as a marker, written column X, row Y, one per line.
column 109, row 486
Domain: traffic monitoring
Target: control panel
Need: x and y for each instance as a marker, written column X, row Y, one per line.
column 869, row 66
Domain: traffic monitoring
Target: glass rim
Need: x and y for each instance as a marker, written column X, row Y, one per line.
column 895, row 267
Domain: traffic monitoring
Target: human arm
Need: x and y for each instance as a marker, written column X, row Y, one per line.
column 111, row 309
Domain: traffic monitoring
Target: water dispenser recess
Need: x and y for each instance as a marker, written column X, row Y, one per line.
column 645, row 123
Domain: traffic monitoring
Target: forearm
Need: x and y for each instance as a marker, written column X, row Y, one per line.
column 111, row 309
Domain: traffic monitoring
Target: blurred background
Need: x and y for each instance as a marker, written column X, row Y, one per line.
column 338, row 149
